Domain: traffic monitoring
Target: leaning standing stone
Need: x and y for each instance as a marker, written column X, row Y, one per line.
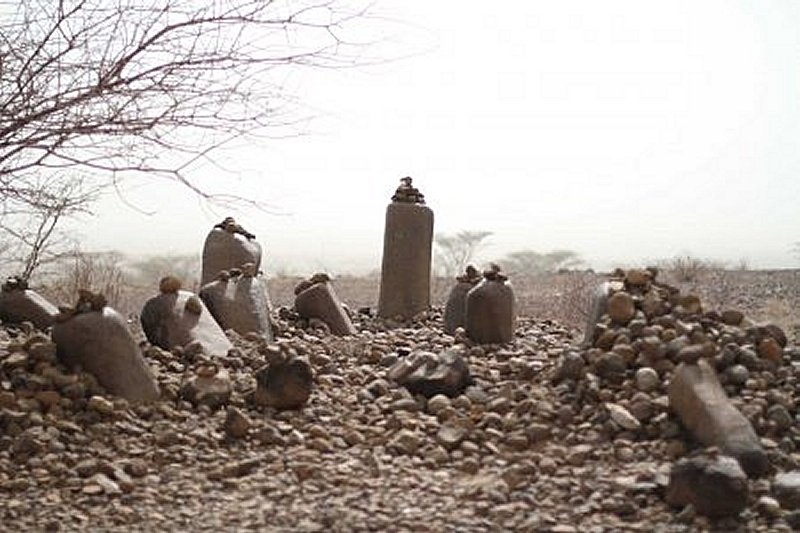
column 228, row 245
column 407, row 245
column 96, row 338
column 315, row 298
column 699, row 400
column 177, row 318
column 18, row 304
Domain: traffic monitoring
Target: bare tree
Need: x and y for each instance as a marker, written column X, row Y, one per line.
column 455, row 251
column 112, row 88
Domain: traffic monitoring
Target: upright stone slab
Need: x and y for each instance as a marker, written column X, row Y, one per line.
column 228, row 246
column 456, row 306
column 699, row 400
column 97, row 339
column 407, row 245
column 238, row 300
column 18, row 304
column 491, row 309
column 315, row 298
column 178, row 318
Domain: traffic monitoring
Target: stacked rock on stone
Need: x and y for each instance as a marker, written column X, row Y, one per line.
column 286, row 381
column 178, row 318
column 407, row 247
column 315, row 298
column 456, row 306
column 18, row 303
column 238, row 300
column 430, row 374
column 96, row 338
column 490, row 310
column 228, row 245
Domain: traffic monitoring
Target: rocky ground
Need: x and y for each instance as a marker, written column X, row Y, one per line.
column 532, row 445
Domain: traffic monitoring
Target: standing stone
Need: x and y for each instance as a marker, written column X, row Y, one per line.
column 18, row 304
column 228, row 246
column 238, row 300
column 407, row 245
column 699, row 400
column 490, row 310
column 179, row 318
column 97, row 338
column 456, row 307
column 315, row 298
column 715, row 485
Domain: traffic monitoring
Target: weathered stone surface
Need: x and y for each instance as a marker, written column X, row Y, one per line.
column 456, row 306
column 621, row 307
column 171, row 320
column 284, row 384
column 239, row 303
column 100, row 343
column 208, row 386
column 226, row 248
column 786, row 488
column 430, row 374
column 715, row 486
column 319, row 300
column 698, row 399
column 490, row 311
column 21, row 304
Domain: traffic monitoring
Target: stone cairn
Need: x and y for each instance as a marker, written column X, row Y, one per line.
column 407, row 246
column 662, row 366
column 490, row 312
column 316, row 299
column 95, row 337
column 456, row 306
column 18, row 303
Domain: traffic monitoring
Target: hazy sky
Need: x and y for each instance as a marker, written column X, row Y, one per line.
column 627, row 131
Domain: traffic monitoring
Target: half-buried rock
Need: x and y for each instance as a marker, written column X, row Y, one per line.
column 696, row 396
column 455, row 309
column 228, row 245
column 237, row 299
column 209, row 385
column 96, row 338
column 315, row 298
column 18, row 304
column 715, row 485
column 285, row 382
column 429, row 374
column 176, row 318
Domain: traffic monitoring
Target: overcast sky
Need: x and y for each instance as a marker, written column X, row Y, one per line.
column 626, row 131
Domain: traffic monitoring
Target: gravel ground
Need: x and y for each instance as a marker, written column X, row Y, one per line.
column 519, row 450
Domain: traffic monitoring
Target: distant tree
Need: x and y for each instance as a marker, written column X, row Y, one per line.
column 455, row 251
column 533, row 262
column 107, row 89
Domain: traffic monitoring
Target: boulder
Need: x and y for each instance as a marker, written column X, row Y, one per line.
column 491, row 309
column 715, row 486
column 284, row 384
column 98, row 340
column 209, row 385
column 179, row 318
column 239, row 301
column 315, row 298
column 430, row 374
column 18, row 304
column 228, row 246
column 697, row 397
column 786, row 488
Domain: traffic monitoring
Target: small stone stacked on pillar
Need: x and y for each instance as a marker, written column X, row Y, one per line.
column 490, row 310
column 407, row 245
